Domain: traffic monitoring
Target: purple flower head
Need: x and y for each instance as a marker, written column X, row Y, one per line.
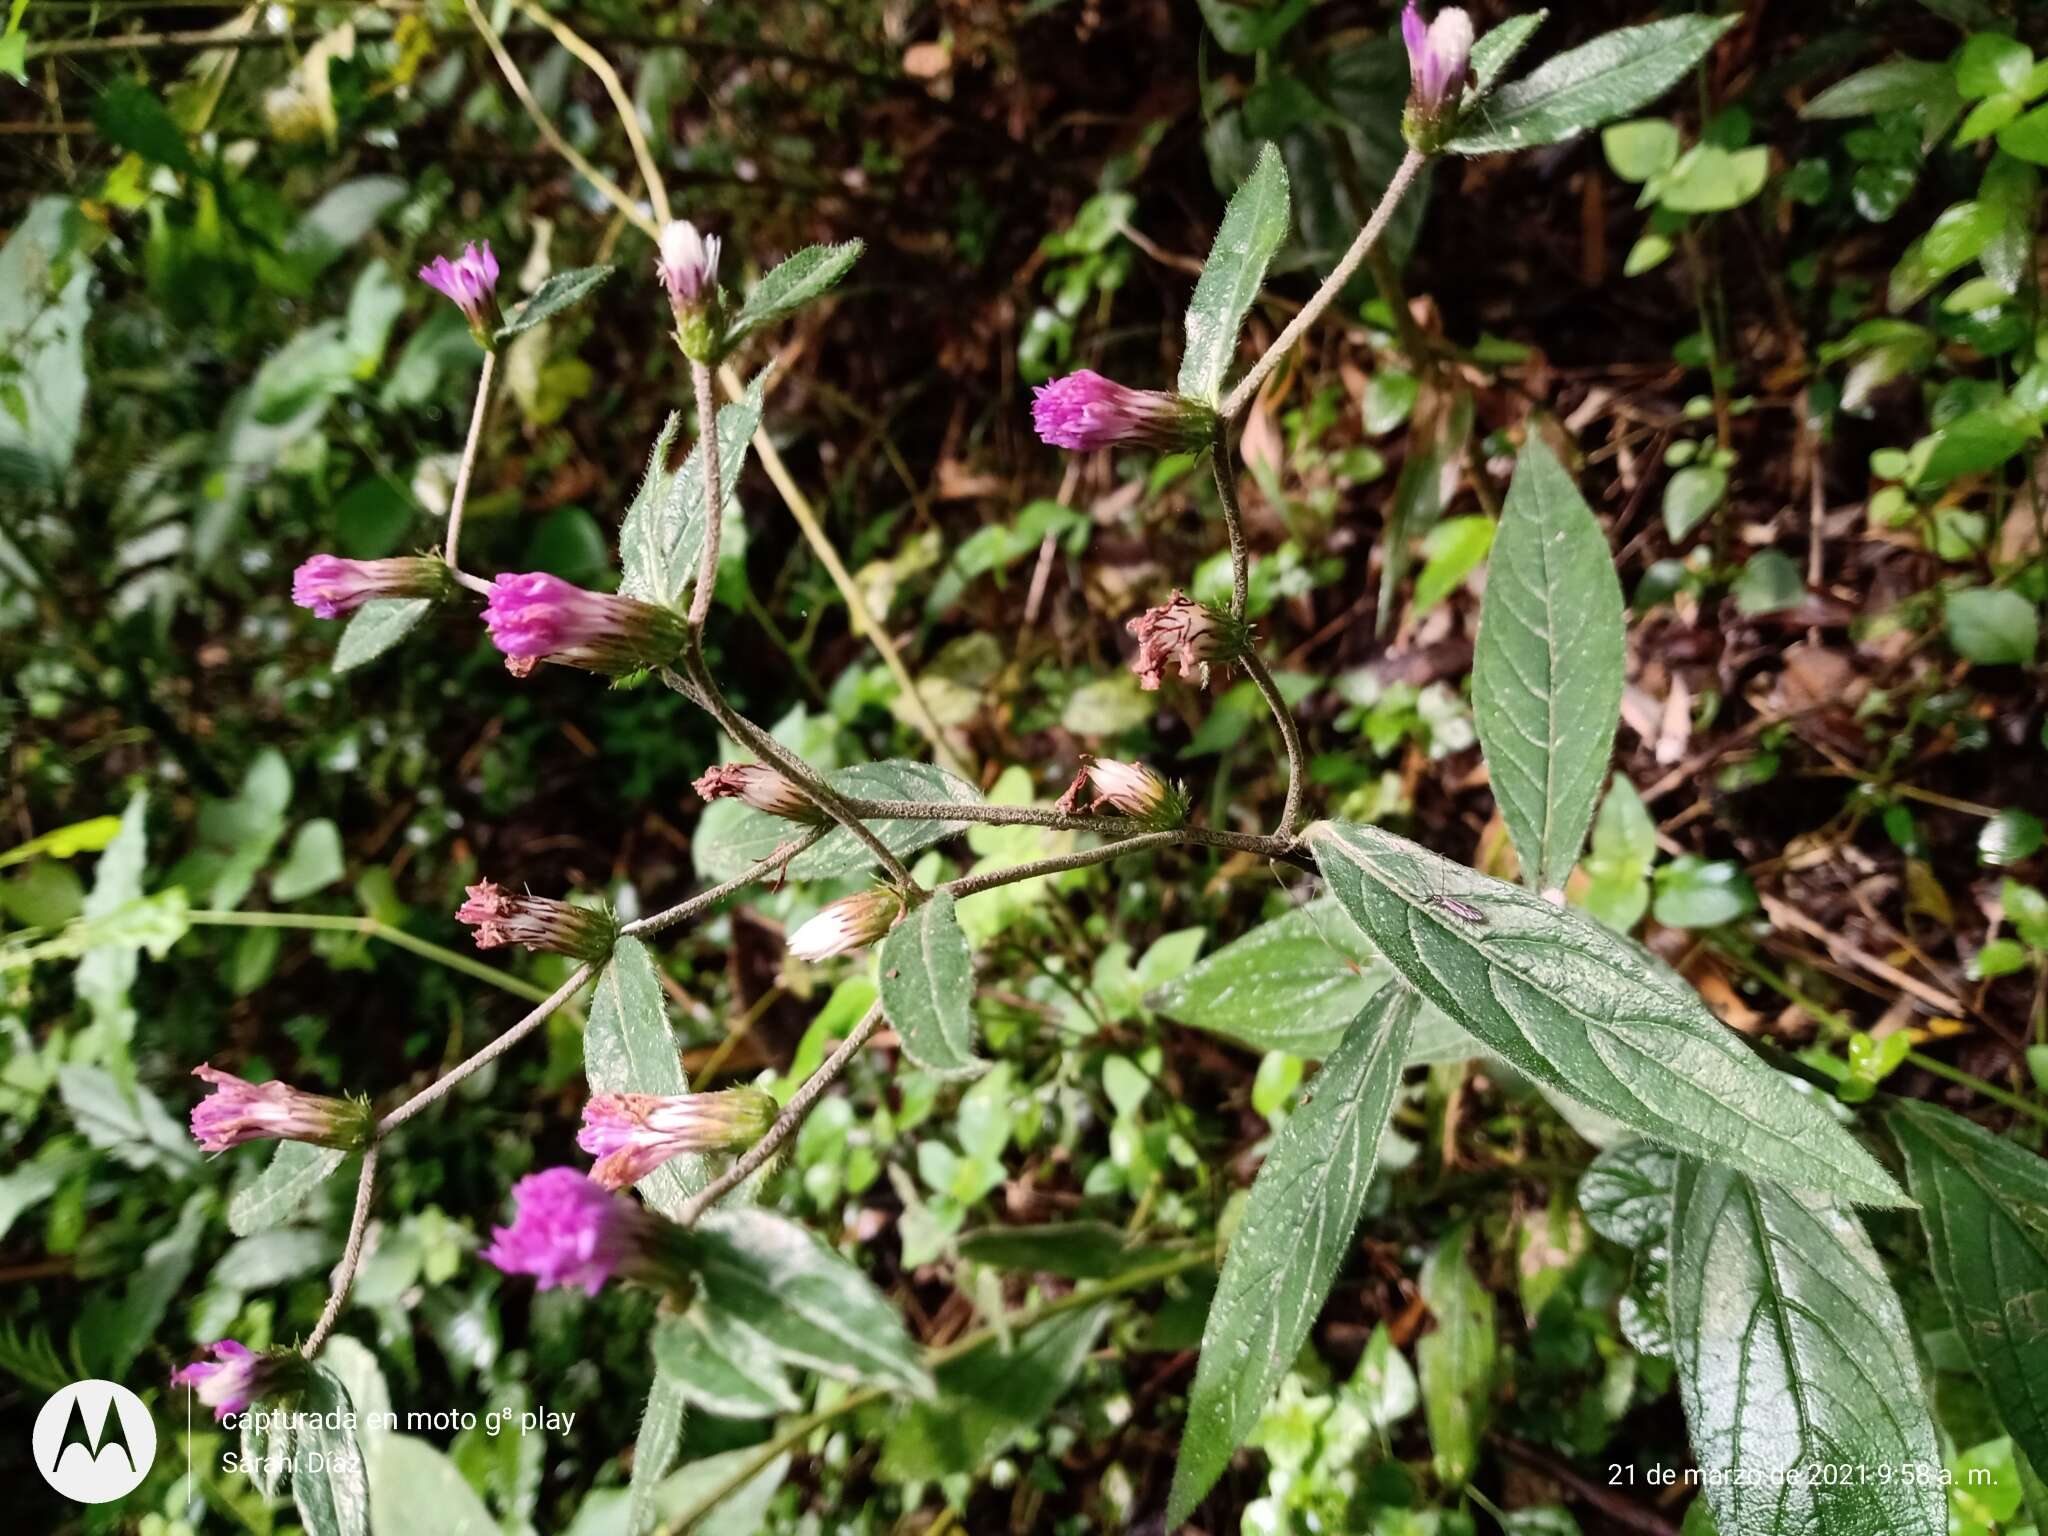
column 332, row 586
column 471, row 280
column 1439, row 60
column 1128, row 789
column 1186, row 633
column 535, row 617
column 854, row 922
column 238, row 1111
column 1084, row 411
column 569, row 1230
column 234, row 1378
column 632, row 1134
column 761, row 787
column 537, row 922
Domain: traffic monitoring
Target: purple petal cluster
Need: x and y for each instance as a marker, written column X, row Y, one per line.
column 1085, row 411
column 471, row 280
column 333, row 587
column 228, row 1383
column 569, row 1230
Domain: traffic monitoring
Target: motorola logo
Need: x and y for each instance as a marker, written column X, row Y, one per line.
column 94, row 1441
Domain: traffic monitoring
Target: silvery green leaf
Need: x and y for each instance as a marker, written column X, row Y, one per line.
column 792, row 284
column 1573, row 1005
column 762, row 1271
column 1547, row 667
column 654, row 1452
column 1984, row 1202
column 267, row 1451
column 927, row 986
column 628, row 1047
column 421, row 1492
column 732, row 837
column 663, row 534
column 1795, row 1366
column 1253, row 226
column 1595, row 83
column 295, row 1170
column 1497, row 50
column 1295, row 1232
column 1073, row 1250
column 1626, row 1196
column 376, row 627
column 560, row 291
column 727, row 1370
column 329, row 1484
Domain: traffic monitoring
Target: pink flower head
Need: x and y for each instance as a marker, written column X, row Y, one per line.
column 1128, row 789
column 851, row 923
column 1184, row 632
column 568, row 1230
column 1439, row 59
column 632, row 1134
column 234, row 1378
column 761, row 787
column 238, row 1111
column 687, row 266
column 1084, row 411
column 538, row 922
column 471, row 280
column 535, row 617
column 332, row 586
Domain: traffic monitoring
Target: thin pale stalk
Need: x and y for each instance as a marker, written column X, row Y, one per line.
column 1290, row 738
column 1233, row 520
column 629, row 117
column 683, row 911
column 1312, row 311
column 442, row 1086
column 787, row 1123
column 968, row 885
column 714, row 498
column 460, row 499
column 351, row 1255
column 371, row 928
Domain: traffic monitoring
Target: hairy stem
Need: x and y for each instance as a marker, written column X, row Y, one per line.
column 351, row 1255
column 1233, row 520
column 968, row 885
column 683, row 911
column 1368, row 237
column 714, row 498
column 442, row 1086
column 1290, row 738
column 787, row 1123
column 460, row 499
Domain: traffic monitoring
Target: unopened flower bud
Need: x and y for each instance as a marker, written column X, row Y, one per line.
column 236, row 1376
column 848, row 924
column 632, row 1134
column 569, row 1230
column 332, row 586
column 1084, row 411
column 763, row 788
column 1128, row 789
column 688, row 268
column 237, row 1111
column 534, row 617
column 538, row 922
column 471, row 280
column 1186, row 633
column 1439, row 60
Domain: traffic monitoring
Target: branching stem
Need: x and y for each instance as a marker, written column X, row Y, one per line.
column 460, row 498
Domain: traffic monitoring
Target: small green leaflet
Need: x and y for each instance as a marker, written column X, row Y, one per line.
column 1296, row 1230
column 296, row 1169
column 376, row 627
column 1547, row 667
column 1795, row 1366
column 329, row 1483
column 1497, row 50
column 1253, row 227
column 793, row 284
column 1607, row 78
column 813, row 1308
column 728, row 1370
column 628, row 1047
column 1457, row 1360
column 927, row 988
column 1984, row 1203
column 560, row 291
column 663, row 534
column 1577, row 1007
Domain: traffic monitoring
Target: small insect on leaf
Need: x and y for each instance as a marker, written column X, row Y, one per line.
column 1464, row 911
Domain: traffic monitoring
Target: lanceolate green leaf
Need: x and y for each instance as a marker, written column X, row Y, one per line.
column 663, row 534
column 1984, row 1203
column 1580, row 1008
column 628, row 1047
column 1296, row 1229
column 928, row 989
column 296, row 1169
column 329, row 1483
column 560, row 291
column 764, row 1272
column 1456, row 1361
column 1546, row 672
column 1607, row 78
column 793, row 284
column 730, row 1371
column 654, row 1452
column 1795, row 1366
column 376, row 627
column 1497, row 50
column 732, row 837
column 1253, row 227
